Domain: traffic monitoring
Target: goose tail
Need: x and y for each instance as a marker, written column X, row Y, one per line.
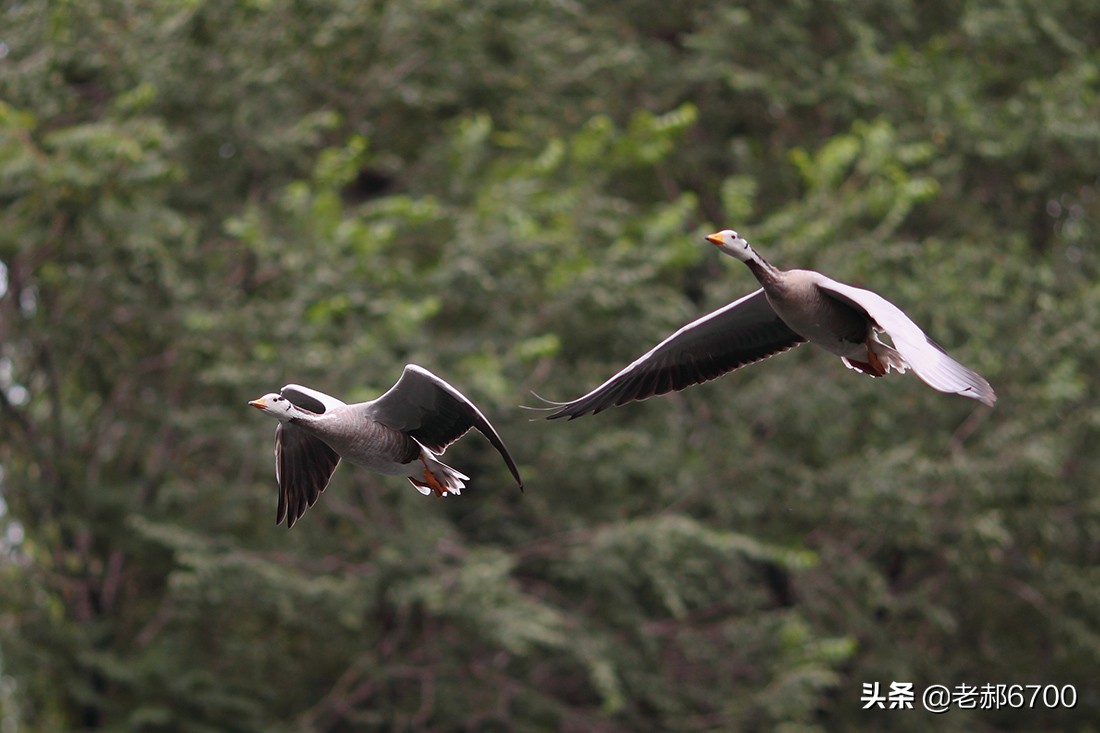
column 881, row 359
column 430, row 475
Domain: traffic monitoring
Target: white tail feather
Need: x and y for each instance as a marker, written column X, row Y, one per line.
column 881, row 359
column 889, row 357
column 452, row 481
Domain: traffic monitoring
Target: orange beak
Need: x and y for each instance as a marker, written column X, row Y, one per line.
column 258, row 404
column 714, row 238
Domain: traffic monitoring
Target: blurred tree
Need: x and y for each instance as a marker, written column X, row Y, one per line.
column 203, row 201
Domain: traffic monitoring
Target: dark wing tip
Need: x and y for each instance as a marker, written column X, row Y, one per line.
column 559, row 413
column 580, row 408
column 510, row 463
column 550, row 406
column 556, row 409
column 284, row 513
column 280, row 516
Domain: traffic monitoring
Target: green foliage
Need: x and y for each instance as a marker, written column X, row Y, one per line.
column 202, row 201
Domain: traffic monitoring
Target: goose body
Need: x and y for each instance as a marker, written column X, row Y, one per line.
column 791, row 307
column 402, row 433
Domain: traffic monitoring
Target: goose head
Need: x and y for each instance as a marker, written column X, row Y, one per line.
column 280, row 408
column 732, row 244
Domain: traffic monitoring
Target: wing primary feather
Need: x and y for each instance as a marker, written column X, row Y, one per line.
column 304, row 465
column 738, row 334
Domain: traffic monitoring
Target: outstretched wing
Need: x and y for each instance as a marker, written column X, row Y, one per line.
column 741, row 333
column 434, row 413
column 927, row 359
column 303, row 467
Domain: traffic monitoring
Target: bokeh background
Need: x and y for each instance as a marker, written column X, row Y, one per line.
column 201, row 201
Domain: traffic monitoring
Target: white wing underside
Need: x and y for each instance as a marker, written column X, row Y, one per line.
column 925, row 357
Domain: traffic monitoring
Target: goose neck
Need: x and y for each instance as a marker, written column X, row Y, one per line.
column 764, row 271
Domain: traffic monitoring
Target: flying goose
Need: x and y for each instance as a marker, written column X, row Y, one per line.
column 791, row 307
column 401, row 433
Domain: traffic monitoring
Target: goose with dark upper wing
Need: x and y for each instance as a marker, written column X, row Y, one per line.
column 402, row 433
column 791, row 307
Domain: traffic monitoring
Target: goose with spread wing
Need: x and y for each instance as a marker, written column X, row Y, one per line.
column 402, row 433
column 791, row 307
